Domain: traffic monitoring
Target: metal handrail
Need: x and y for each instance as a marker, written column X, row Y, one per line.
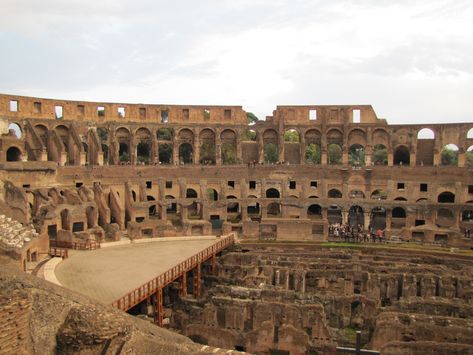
column 140, row 293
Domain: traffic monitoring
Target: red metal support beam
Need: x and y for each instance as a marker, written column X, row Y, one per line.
column 158, row 308
column 197, row 274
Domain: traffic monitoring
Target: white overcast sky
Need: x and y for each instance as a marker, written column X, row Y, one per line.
column 411, row 59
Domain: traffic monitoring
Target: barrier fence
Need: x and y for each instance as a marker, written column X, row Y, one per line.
column 90, row 245
column 146, row 290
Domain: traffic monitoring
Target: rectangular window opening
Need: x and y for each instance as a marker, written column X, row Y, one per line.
column 52, row 231
column 312, row 115
column 423, row 187
column 185, row 113
column 400, row 186
column 252, row 184
column 100, row 111
column 470, row 189
column 168, row 184
column 149, row 184
column 78, row 227
column 313, row 184
column 231, row 184
column 58, row 112
column 227, row 114
column 13, row 105
column 121, row 112
column 356, row 116
column 26, row 186
column 81, row 110
column 79, row 184
column 419, row 222
column 37, row 107
column 206, row 114
column 164, row 116
column 142, row 112
column 292, row 185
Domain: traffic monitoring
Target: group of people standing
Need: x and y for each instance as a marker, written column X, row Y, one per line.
column 356, row 233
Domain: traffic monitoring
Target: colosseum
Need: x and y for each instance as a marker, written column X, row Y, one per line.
column 78, row 176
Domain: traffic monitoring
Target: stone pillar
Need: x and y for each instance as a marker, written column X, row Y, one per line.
column 302, row 148
column 367, row 221
column 390, row 158
column 281, row 147
column 344, row 216
column 388, row 219
column 244, row 212
column 461, row 158
column 437, row 157
column 196, row 152
column 132, row 150
column 323, row 157
column 412, row 159
column 260, row 147
column 154, row 151
column 368, row 155
column 218, row 150
column 239, row 151
column 345, row 155
column 175, row 151
column 164, row 212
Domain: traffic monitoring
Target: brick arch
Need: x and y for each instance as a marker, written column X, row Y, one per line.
column 357, row 136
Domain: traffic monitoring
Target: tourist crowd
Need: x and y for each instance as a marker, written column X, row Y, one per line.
column 356, row 233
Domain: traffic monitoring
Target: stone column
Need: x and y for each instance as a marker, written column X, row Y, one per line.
column 368, row 155
column 302, row 144
column 344, row 155
column 461, row 158
column 344, row 216
column 239, row 151
column 366, row 215
column 154, row 151
column 260, row 147
column 132, row 149
column 175, row 151
column 281, row 147
column 196, row 151
column 218, row 149
column 323, row 157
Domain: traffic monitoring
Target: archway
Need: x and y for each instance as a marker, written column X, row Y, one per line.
column 207, row 147
column 356, row 194
column 379, row 194
column 334, row 153
column 15, row 129
column 152, row 207
column 228, row 138
column 272, row 193
column 270, row 153
column 398, row 215
column 449, row 155
column 13, row 154
column 212, row 194
column 402, row 155
column 185, row 154
column 425, row 147
column 164, row 134
column 143, row 152
column 446, row 197
column 356, row 155
column 165, row 154
column 380, row 155
column 378, row 219
column 334, row 193
column 191, row 193
column 355, row 216
column 334, row 215
column 312, row 154
column 314, row 212
column 123, row 153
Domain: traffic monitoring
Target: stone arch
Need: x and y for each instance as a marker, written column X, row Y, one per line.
column 380, row 155
column 186, row 153
column 274, row 209
column 469, row 156
column 272, row 193
column 379, row 194
column 334, row 193
column 232, row 207
column 313, row 140
column 229, row 154
column 401, row 155
column 314, row 211
column 151, row 207
column 164, row 134
column 446, row 197
column 356, row 194
column 122, row 135
column 421, row 200
column 356, row 155
column 334, row 136
column 380, row 136
column 14, row 154
column 398, row 212
column 449, row 155
column 313, row 136
column 15, row 129
column 378, row 219
column 165, row 153
column 185, row 135
column 400, row 198
column 425, row 147
column 212, row 194
column 171, row 207
column 334, row 214
column 357, row 136
column 356, row 216
column 191, row 193
column 469, row 134
column 207, row 147
column 270, row 146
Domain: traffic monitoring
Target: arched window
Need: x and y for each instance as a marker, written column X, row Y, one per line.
column 272, row 193
column 446, row 197
column 13, row 154
column 334, row 193
column 402, row 156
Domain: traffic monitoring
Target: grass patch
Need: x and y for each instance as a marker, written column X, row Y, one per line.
column 350, row 333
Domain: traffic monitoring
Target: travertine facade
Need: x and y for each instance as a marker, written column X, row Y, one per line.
column 85, row 171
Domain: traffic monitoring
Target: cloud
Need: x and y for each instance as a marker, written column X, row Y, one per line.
column 259, row 53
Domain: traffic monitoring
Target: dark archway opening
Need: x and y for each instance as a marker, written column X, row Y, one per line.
column 13, row 154
column 446, row 197
column 165, row 154
column 402, row 156
column 185, row 154
column 272, row 193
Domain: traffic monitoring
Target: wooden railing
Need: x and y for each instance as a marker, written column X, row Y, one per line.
column 91, row 245
column 146, row 290
column 59, row 252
